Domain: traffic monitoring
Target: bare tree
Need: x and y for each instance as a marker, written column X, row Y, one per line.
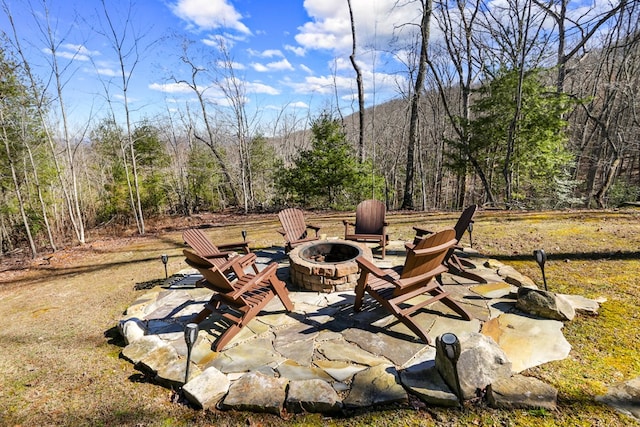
column 356, row 68
column 416, row 96
column 125, row 41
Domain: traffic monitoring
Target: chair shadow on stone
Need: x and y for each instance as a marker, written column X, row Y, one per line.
column 239, row 300
column 401, row 290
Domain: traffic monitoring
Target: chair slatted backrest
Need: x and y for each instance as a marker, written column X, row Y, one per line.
column 415, row 265
column 199, row 242
column 293, row 224
column 370, row 217
column 209, row 271
column 463, row 222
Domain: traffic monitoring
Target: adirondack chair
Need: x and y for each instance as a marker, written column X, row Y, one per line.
column 394, row 288
column 370, row 224
column 294, row 228
column 240, row 300
column 220, row 255
column 456, row 265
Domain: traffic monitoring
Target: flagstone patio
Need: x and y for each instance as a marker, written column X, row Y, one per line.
column 324, row 357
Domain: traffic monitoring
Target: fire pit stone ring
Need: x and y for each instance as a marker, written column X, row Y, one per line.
column 327, row 265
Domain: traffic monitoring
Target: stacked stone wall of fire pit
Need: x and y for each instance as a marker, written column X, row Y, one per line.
column 326, row 265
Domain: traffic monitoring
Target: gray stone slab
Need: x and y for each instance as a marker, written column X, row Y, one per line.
column 339, row 370
column 377, row 385
column 256, row 392
column 528, row 341
column 348, row 352
column 521, row 392
column 429, row 386
column 624, row 397
column 397, row 350
column 294, row 371
column 247, row 356
column 206, row 389
column 312, row 395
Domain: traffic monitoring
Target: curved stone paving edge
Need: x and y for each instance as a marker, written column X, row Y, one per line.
column 325, row 358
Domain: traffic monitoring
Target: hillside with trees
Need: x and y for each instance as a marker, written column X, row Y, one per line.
column 501, row 110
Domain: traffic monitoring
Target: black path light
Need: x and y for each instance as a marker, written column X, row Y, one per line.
column 470, row 230
column 165, row 259
column 244, row 235
column 452, row 350
column 190, row 336
column 541, row 258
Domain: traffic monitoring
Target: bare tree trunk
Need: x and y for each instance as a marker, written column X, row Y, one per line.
column 16, row 185
column 118, row 42
column 356, row 68
column 407, row 200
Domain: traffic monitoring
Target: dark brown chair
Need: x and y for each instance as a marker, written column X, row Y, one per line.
column 219, row 255
column 393, row 288
column 370, row 224
column 294, row 228
column 455, row 264
column 240, row 300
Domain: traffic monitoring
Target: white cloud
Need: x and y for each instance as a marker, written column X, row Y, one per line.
column 257, row 87
column 269, row 53
column 282, row 65
column 306, row 69
column 376, row 23
column 75, row 52
column 297, row 50
column 210, row 14
column 171, row 87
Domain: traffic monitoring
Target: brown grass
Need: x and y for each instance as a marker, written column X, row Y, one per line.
column 59, row 350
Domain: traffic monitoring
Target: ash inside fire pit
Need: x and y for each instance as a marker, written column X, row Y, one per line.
column 326, row 266
column 330, row 252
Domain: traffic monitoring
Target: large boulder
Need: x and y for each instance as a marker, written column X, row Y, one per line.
column 481, row 362
column 544, row 304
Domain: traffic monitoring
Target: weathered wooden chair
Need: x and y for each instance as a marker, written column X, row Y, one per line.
column 370, row 224
column 394, row 288
column 294, row 228
column 455, row 264
column 219, row 255
column 240, row 300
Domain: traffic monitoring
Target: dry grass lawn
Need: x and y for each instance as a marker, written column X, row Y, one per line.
column 59, row 350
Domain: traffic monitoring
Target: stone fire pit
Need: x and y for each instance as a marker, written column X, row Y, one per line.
column 326, row 265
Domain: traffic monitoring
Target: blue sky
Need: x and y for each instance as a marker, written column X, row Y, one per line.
column 290, row 55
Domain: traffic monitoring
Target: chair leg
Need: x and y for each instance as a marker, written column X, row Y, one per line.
column 360, row 287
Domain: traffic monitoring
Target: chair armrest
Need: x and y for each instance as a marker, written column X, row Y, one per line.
column 244, row 246
column 422, row 231
column 429, row 251
column 257, row 278
column 365, row 264
column 314, row 228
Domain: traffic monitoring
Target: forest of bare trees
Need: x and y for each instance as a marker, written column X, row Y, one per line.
column 517, row 106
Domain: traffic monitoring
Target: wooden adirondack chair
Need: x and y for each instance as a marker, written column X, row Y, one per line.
column 370, row 224
column 393, row 288
column 240, row 300
column 456, row 265
column 294, row 228
column 205, row 248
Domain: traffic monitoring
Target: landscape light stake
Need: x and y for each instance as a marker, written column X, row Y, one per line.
column 470, row 229
column 244, row 235
column 541, row 258
column 452, row 349
column 165, row 259
column 190, row 336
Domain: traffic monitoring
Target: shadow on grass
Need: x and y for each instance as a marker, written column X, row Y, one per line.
column 573, row 256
